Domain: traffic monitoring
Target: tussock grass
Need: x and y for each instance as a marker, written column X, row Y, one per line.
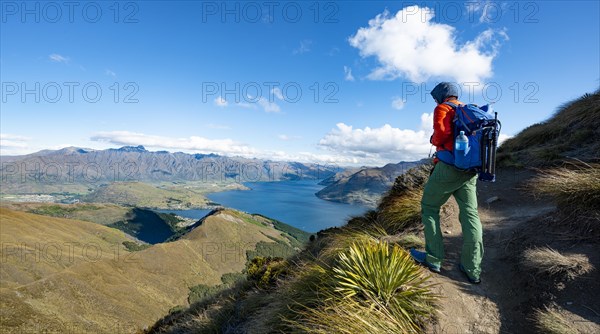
column 406, row 241
column 341, row 241
column 372, row 287
column 374, row 270
column 349, row 318
column 400, row 208
column 576, row 188
column 402, row 213
column 551, row 321
column 549, row 262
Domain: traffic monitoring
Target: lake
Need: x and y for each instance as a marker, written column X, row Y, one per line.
column 292, row 202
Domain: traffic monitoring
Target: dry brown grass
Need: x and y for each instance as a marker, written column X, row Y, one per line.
column 576, row 189
column 577, row 184
column 549, row 262
column 406, row 241
column 551, row 321
column 400, row 208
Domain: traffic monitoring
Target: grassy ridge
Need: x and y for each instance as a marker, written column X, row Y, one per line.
column 119, row 290
column 143, row 224
column 573, row 131
column 299, row 237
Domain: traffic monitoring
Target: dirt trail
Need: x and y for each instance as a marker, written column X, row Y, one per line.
column 492, row 306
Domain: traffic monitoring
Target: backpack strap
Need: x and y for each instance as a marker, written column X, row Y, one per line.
column 456, row 107
column 453, row 105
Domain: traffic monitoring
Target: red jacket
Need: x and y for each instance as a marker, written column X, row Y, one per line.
column 443, row 136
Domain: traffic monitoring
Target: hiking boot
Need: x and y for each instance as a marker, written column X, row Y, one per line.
column 471, row 280
column 421, row 258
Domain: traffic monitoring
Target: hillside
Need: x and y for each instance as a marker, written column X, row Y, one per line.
column 68, row 275
column 540, row 271
column 144, row 225
column 340, row 175
column 364, row 186
column 572, row 132
column 104, row 214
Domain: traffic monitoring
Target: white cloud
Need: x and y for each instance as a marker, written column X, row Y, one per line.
column 58, row 58
column 502, row 138
column 385, row 143
column 288, row 138
column 14, row 144
column 9, row 141
column 190, row 144
column 225, row 147
column 348, row 74
column 277, row 93
column 246, row 105
column 398, row 103
column 377, row 146
column 110, row 73
column 488, row 11
column 411, row 45
column 221, row 102
column 304, row 47
column 317, row 158
column 268, row 106
column 217, row 126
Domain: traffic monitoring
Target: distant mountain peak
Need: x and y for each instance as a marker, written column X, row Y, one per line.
column 138, row 148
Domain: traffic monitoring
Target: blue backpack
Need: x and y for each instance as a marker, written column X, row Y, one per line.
column 482, row 128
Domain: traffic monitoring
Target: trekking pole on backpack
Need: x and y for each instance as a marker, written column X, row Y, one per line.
column 494, row 143
column 488, row 151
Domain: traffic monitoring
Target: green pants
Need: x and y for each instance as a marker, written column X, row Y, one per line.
column 444, row 182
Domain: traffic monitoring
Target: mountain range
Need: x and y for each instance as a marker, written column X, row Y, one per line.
column 364, row 185
column 67, row 169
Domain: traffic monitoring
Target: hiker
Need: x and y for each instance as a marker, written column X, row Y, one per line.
column 446, row 180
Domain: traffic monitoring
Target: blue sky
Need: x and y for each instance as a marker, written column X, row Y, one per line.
column 337, row 82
